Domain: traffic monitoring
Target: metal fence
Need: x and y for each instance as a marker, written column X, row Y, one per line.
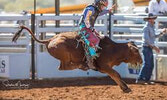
column 123, row 28
column 14, row 58
column 46, row 29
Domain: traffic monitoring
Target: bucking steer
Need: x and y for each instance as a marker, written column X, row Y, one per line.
column 70, row 52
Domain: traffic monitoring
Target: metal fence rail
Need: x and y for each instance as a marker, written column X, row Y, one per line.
column 8, row 26
column 123, row 28
column 129, row 27
column 15, row 56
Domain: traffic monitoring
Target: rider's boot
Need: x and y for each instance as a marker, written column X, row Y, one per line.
column 90, row 62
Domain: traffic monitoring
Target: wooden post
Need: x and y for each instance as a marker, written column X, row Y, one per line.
column 43, row 35
column 111, row 22
column 57, row 12
column 33, row 43
column 33, row 47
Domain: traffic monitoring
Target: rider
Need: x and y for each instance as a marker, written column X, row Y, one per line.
column 87, row 30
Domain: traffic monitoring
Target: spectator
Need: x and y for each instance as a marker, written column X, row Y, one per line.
column 157, row 7
column 146, row 10
column 148, row 45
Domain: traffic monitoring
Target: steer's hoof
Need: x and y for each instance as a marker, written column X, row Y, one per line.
column 127, row 90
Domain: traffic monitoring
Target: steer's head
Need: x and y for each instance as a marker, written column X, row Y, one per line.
column 133, row 54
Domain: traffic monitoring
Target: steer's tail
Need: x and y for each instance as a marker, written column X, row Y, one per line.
column 18, row 33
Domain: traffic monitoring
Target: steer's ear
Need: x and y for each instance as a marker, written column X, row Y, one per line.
column 132, row 45
column 129, row 44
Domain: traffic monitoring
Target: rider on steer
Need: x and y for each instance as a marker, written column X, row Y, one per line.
column 87, row 30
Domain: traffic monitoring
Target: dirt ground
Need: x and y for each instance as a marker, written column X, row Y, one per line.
column 79, row 89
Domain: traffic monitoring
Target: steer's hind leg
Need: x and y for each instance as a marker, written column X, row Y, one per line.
column 116, row 77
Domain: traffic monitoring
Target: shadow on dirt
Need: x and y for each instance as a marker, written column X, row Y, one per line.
column 60, row 82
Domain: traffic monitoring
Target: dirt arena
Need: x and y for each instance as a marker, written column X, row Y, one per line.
column 79, row 89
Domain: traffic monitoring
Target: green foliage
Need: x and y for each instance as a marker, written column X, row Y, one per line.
column 17, row 6
column 3, row 3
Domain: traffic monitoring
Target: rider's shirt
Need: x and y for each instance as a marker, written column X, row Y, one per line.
column 90, row 15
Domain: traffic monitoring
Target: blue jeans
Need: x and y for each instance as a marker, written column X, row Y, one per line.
column 148, row 64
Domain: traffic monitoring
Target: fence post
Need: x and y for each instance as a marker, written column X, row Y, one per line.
column 43, row 35
column 156, row 55
column 111, row 22
column 33, row 47
column 57, row 12
column 110, row 25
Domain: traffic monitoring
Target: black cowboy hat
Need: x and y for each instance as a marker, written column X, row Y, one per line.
column 150, row 16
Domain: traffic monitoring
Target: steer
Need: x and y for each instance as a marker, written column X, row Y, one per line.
column 70, row 52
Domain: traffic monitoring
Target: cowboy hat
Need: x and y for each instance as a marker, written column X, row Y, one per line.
column 150, row 16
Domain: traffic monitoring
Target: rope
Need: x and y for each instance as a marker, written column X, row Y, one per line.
column 78, row 41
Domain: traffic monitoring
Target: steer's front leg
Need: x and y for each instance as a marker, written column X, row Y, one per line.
column 116, row 77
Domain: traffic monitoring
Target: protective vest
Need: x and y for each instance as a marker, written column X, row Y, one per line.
column 92, row 17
